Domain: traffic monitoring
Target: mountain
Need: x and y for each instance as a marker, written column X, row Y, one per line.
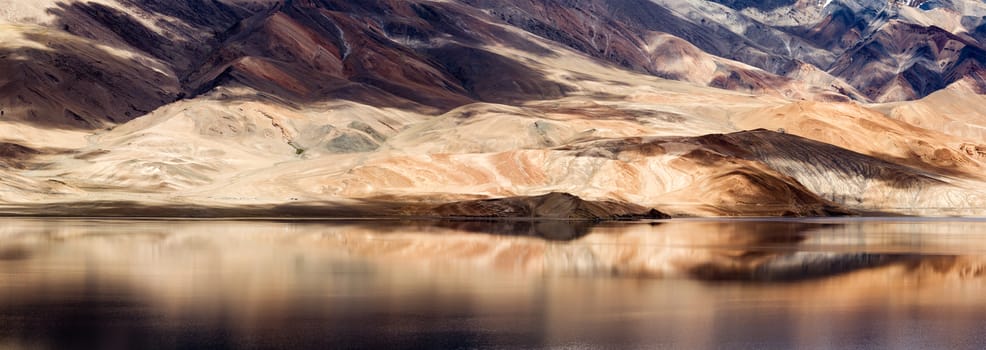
column 690, row 107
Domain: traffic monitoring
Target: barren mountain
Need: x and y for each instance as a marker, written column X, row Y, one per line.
column 485, row 108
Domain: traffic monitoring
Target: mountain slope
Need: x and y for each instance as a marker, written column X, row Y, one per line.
column 689, row 107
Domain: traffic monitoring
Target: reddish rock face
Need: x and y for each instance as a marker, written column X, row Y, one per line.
column 390, row 53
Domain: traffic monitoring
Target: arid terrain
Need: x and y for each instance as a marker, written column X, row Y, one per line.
column 584, row 109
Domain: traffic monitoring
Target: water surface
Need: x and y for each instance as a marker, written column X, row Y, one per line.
column 817, row 283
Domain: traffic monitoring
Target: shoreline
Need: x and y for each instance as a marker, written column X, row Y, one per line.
column 551, row 207
column 353, row 213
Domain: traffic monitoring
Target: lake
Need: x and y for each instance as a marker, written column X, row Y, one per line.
column 682, row 283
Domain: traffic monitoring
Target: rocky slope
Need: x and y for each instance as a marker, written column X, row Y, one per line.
column 687, row 107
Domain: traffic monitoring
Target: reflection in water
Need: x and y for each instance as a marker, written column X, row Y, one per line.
column 681, row 284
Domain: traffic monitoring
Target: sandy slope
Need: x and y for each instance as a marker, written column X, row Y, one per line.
column 210, row 152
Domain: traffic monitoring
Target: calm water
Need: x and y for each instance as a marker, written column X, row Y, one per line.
column 690, row 284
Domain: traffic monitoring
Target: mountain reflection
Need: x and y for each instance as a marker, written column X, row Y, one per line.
column 168, row 284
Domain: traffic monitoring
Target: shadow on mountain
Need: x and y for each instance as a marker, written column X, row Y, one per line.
column 768, row 5
column 17, row 156
column 836, row 32
column 72, row 84
column 193, row 31
column 417, row 56
column 798, row 156
column 711, row 37
column 489, row 77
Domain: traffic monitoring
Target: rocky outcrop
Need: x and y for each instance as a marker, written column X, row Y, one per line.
column 977, row 151
column 554, row 205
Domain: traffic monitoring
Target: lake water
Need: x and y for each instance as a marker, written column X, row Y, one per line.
column 688, row 284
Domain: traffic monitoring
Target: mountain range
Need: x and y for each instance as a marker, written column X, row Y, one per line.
column 563, row 108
